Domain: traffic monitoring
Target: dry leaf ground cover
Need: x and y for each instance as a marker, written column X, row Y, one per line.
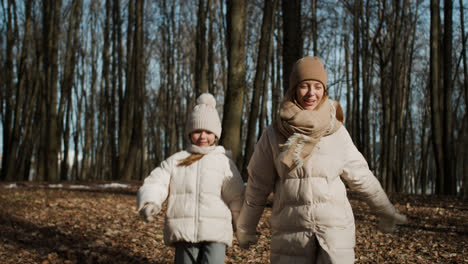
column 67, row 225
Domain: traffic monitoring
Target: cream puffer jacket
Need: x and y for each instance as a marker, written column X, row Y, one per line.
column 204, row 199
column 310, row 201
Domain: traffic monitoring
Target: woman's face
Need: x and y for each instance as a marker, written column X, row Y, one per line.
column 202, row 138
column 309, row 93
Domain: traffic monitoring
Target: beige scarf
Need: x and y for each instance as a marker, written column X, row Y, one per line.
column 303, row 129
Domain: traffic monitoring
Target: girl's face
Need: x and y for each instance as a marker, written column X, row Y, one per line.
column 309, row 93
column 202, row 138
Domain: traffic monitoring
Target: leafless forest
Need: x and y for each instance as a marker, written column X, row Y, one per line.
column 100, row 90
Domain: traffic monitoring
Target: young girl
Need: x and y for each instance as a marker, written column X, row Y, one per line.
column 204, row 189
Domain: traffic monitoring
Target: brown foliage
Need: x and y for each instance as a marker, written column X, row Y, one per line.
column 49, row 225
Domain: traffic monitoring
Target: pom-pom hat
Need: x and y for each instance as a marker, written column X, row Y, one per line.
column 204, row 116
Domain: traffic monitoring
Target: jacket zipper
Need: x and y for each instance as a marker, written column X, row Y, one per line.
column 197, row 202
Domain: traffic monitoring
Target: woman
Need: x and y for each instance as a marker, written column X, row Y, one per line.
column 204, row 189
column 302, row 158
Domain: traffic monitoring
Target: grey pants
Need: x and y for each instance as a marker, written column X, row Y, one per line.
column 199, row 253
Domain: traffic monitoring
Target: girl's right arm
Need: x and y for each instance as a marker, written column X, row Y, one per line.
column 155, row 188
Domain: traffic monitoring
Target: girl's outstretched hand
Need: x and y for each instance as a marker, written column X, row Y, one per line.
column 149, row 210
column 387, row 223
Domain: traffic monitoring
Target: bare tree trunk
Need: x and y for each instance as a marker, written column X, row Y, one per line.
column 51, row 27
column 367, row 66
column 275, row 71
column 348, row 115
column 260, row 76
column 13, row 94
column 211, row 47
column 292, row 37
column 435, row 85
column 28, row 72
column 356, row 113
column 264, row 121
column 90, row 138
column 132, row 138
column 117, row 85
column 67, row 83
column 78, row 129
column 233, row 104
column 424, row 145
column 450, row 183
column 201, row 58
column 465, row 119
column 314, row 28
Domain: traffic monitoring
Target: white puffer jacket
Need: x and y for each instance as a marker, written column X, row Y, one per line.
column 310, row 201
column 203, row 199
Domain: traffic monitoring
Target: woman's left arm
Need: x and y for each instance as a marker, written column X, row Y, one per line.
column 358, row 176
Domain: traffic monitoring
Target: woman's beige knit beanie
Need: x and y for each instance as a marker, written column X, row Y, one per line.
column 308, row 68
column 204, row 116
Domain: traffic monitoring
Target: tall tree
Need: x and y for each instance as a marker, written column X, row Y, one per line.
column 201, row 54
column 116, row 85
column 465, row 85
column 10, row 122
column 436, row 94
column 292, row 37
column 355, row 77
column 233, row 103
column 276, row 80
column 367, row 52
column 64, row 112
column 51, row 143
column 450, row 184
column 259, row 81
column 132, row 118
column 441, row 98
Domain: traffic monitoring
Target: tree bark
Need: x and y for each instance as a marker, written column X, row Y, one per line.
column 12, row 99
column 67, row 83
column 233, row 103
column 356, row 113
column 314, row 28
column 465, row 119
column 450, row 183
column 116, row 86
column 367, row 67
column 260, row 76
column 435, row 85
column 133, row 100
column 201, row 58
column 292, row 37
column 51, row 31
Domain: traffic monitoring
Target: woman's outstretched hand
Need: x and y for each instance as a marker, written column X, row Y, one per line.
column 245, row 240
column 387, row 223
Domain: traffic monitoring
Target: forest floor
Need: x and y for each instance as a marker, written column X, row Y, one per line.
column 40, row 224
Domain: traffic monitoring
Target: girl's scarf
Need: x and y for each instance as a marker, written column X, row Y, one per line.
column 303, row 129
column 200, row 150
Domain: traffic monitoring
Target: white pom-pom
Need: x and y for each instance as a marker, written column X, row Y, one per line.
column 207, row 99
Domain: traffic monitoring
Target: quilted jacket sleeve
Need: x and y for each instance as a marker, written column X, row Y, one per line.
column 155, row 188
column 262, row 176
column 357, row 175
column 233, row 190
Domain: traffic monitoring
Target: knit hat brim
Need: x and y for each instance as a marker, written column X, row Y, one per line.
column 308, row 68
